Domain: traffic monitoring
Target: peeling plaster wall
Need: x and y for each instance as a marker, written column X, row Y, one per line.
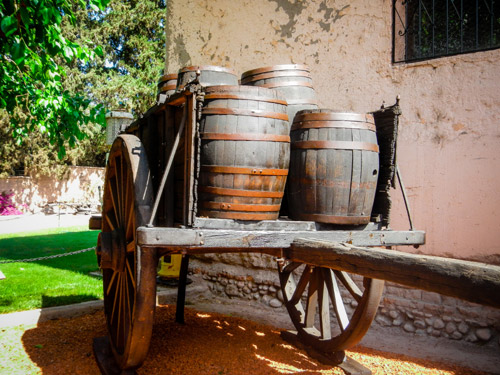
column 449, row 136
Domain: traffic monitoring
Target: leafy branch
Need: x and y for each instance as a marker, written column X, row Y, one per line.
column 31, row 79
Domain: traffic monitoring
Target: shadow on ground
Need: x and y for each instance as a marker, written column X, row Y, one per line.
column 49, row 301
column 208, row 343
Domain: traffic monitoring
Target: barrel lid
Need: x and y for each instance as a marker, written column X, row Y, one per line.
column 274, row 68
column 328, row 114
column 213, row 68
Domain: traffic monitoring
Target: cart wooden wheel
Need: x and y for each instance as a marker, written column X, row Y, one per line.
column 129, row 272
column 318, row 300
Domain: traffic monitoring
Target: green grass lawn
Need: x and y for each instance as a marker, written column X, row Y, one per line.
column 52, row 282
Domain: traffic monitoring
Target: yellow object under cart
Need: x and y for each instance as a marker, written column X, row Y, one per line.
column 170, row 267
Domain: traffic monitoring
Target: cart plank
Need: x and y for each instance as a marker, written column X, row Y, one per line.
column 223, row 240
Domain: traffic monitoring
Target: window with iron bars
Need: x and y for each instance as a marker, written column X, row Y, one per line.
column 426, row 29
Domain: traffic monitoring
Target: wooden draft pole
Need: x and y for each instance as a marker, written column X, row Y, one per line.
column 471, row 281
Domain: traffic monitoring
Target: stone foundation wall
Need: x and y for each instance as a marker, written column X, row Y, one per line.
column 426, row 313
column 414, row 312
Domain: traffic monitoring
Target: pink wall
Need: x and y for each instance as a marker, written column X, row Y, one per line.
column 80, row 186
column 449, row 136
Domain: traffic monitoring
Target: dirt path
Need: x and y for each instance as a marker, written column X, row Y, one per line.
column 208, row 343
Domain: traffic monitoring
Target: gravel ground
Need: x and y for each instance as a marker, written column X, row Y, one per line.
column 208, row 343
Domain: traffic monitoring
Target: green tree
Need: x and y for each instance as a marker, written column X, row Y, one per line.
column 131, row 34
column 36, row 156
column 32, row 48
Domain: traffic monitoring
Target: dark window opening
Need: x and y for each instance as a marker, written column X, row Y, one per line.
column 425, row 29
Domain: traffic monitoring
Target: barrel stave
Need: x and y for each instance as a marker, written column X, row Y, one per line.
column 330, row 182
column 251, row 192
column 293, row 81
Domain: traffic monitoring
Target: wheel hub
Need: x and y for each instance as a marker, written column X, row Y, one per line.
column 113, row 250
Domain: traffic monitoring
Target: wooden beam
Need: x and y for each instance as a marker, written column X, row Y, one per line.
column 250, row 240
column 471, row 281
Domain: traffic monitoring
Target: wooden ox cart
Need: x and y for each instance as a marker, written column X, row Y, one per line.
column 152, row 208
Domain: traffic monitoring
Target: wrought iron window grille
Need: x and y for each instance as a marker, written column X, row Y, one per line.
column 426, row 29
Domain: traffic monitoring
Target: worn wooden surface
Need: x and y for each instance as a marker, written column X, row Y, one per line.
column 386, row 122
column 210, row 75
column 222, row 240
column 288, row 225
column 244, row 153
column 333, row 167
column 470, row 281
column 167, row 84
column 293, row 81
column 129, row 275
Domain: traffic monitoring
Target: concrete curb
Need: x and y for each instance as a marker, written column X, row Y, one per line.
column 33, row 317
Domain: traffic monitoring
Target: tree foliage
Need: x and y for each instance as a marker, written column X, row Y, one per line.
column 132, row 41
column 36, row 156
column 132, row 36
column 33, row 52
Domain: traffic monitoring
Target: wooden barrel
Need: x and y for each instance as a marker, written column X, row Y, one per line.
column 333, row 167
column 210, row 75
column 245, row 151
column 167, row 84
column 292, row 80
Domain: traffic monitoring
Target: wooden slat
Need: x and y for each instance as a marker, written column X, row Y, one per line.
column 189, row 156
column 470, row 281
column 221, row 240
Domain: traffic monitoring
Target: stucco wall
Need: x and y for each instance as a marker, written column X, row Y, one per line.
column 81, row 185
column 449, row 133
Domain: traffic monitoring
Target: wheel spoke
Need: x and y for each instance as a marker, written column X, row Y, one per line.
column 290, row 267
column 118, row 187
column 132, row 279
column 111, row 282
column 324, row 306
column 111, row 220
column 129, row 307
column 289, row 287
column 131, row 247
column 349, row 284
column 129, row 206
column 301, row 286
column 115, row 199
column 116, row 290
column 120, row 309
column 129, row 231
column 336, row 297
column 312, row 299
column 123, row 187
